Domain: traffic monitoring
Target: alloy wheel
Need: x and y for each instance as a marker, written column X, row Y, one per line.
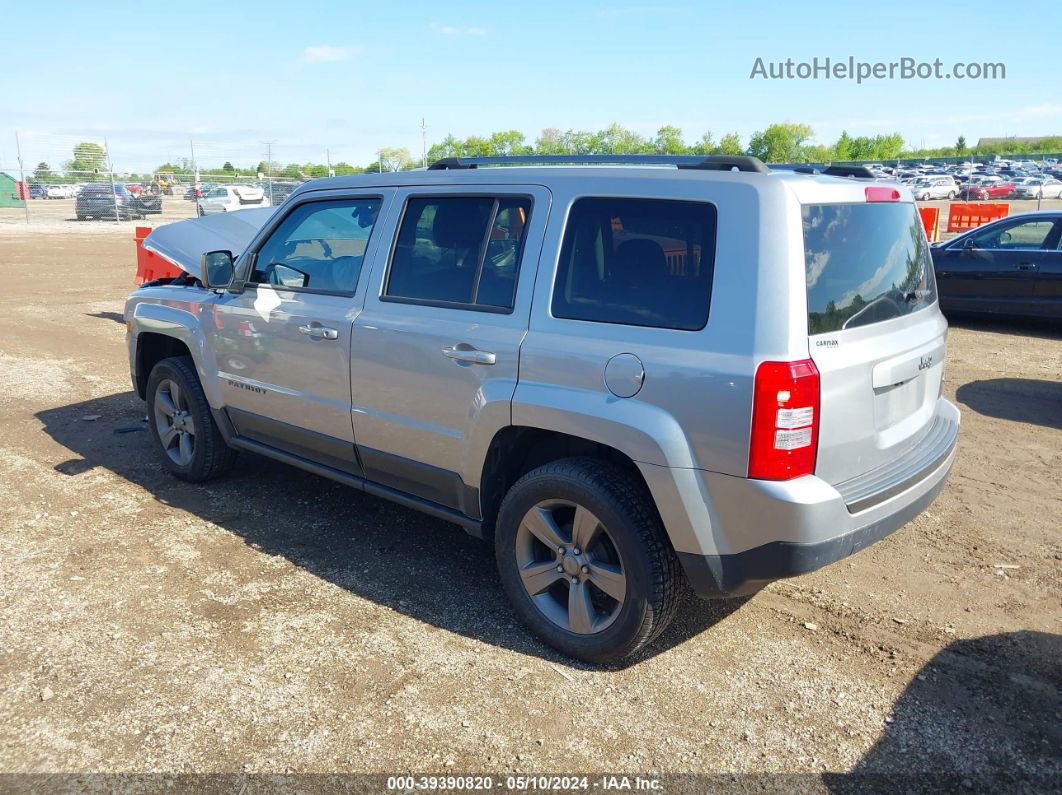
column 570, row 567
column 174, row 422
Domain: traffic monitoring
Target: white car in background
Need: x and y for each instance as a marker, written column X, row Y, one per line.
column 1038, row 188
column 58, row 192
column 934, row 187
column 227, row 198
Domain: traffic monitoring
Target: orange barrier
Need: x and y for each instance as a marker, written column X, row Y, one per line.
column 931, row 222
column 970, row 216
column 148, row 265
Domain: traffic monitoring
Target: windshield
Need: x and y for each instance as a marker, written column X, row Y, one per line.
column 864, row 263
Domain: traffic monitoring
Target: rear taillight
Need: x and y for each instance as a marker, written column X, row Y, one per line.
column 785, row 420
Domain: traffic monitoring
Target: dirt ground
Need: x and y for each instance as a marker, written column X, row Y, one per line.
column 276, row 621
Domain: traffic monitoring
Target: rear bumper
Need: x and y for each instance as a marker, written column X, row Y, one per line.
column 784, row 529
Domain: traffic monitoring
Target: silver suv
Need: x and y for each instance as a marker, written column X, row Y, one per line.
column 628, row 377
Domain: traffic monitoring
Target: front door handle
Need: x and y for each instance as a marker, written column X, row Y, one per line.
column 1026, row 266
column 463, row 352
column 318, row 332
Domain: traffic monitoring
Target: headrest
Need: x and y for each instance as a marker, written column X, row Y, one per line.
column 640, row 261
column 458, row 223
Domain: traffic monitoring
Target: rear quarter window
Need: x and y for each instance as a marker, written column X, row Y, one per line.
column 864, row 263
column 639, row 262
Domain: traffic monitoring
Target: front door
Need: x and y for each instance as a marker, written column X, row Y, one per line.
column 995, row 270
column 282, row 345
column 434, row 354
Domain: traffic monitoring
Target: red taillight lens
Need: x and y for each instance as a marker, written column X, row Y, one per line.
column 876, row 193
column 785, row 420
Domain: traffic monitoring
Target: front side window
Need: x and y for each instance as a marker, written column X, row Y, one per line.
column 319, row 246
column 461, row 250
column 639, row 262
column 1027, row 235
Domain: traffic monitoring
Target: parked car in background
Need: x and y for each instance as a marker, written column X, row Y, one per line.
column 58, row 192
column 1009, row 267
column 100, row 200
column 1038, row 188
column 988, row 188
column 935, row 187
column 227, row 198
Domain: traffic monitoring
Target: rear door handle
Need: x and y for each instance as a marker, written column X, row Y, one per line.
column 1026, row 266
column 318, row 332
column 463, row 352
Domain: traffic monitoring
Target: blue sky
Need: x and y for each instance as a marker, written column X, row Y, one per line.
column 352, row 77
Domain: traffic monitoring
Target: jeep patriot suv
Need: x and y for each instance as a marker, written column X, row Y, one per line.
column 628, row 377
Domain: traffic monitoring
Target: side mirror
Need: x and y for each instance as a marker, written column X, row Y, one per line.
column 216, row 269
column 968, row 244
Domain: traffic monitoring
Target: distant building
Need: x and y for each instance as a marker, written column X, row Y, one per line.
column 9, row 194
column 1033, row 141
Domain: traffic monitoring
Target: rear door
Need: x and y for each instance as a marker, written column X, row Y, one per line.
column 435, row 353
column 1048, row 293
column 875, row 333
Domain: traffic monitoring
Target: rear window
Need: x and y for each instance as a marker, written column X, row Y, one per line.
column 640, row 262
column 864, row 263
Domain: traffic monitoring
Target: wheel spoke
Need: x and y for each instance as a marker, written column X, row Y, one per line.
column 164, row 402
column 186, row 448
column 580, row 609
column 175, row 394
column 167, row 437
column 584, row 528
column 540, row 522
column 610, row 579
column 538, row 577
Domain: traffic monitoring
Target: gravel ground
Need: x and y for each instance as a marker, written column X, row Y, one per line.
column 275, row 621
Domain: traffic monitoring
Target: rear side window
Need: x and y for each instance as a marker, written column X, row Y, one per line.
column 640, row 262
column 462, row 250
column 864, row 263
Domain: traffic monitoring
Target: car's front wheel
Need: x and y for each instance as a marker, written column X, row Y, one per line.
column 187, row 437
column 584, row 558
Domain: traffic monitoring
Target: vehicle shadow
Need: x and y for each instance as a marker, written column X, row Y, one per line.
column 1035, row 401
column 117, row 317
column 983, row 715
column 423, row 567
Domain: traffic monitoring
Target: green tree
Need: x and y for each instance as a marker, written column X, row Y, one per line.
column 780, row 143
column 43, row 172
column 730, row 144
column 509, row 142
column 669, row 141
column 550, row 142
column 705, row 145
column 960, row 145
column 87, row 157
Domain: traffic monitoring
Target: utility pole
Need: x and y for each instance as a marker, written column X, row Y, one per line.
column 110, row 170
column 22, row 178
column 424, row 142
column 328, row 161
column 269, row 168
column 195, row 174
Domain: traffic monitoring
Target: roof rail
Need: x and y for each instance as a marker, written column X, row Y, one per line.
column 705, row 163
column 859, row 172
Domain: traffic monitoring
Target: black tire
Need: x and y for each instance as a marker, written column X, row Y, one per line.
column 625, row 509
column 82, row 217
column 211, row 457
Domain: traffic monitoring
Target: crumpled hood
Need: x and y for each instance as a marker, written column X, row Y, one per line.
column 183, row 243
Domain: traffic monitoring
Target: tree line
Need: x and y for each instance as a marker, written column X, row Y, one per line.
column 784, row 142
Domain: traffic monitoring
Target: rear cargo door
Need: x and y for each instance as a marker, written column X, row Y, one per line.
column 875, row 333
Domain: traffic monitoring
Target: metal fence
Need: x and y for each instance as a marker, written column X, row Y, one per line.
column 42, row 175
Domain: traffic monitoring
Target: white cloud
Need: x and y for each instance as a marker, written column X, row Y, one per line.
column 451, row 30
column 1047, row 109
column 324, row 53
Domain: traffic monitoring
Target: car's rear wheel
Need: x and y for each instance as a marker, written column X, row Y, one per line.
column 584, row 558
column 188, row 439
column 951, row 195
